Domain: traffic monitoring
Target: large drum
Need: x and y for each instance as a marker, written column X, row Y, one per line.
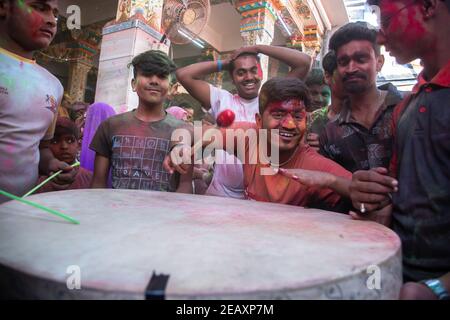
column 139, row 244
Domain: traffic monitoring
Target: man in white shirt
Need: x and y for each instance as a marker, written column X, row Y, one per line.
column 29, row 97
column 246, row 75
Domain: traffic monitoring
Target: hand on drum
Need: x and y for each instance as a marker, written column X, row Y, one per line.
column 382, row 216
column 371, row 189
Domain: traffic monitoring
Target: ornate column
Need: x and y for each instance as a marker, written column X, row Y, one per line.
column 312, row 41
column 78, row 74
column 151, row 11
column 257, row 25
column 136, row 30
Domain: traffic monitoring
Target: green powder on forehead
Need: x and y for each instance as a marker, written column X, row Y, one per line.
column 21, row 4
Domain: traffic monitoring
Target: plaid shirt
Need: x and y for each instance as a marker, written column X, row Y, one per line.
column 355, row 147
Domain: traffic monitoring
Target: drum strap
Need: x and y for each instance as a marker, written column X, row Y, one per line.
column 156, row 288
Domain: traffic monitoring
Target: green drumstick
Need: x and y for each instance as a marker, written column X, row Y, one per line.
column 39, row 206
column 47, row 180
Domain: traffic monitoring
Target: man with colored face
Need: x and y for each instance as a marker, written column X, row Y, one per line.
column 319, row 118
column 29, row 97
column 415, row 196
column 304, row 177
column 133, row 144
column 360, row 137
column 246, row 74
column 319, row 91
column 65, row 147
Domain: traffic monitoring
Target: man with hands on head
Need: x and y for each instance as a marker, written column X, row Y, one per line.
column 245, row 71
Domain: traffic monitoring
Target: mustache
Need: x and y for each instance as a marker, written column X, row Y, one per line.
column 354, row 75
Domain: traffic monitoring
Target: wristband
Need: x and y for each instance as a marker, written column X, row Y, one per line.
column 219, row 65
column 438, row 289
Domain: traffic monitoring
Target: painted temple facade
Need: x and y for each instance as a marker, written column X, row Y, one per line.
column 91, row 61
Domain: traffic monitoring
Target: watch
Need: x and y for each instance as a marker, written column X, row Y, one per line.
column 438, row 288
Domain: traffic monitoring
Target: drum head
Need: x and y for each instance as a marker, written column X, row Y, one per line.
column 137, row 244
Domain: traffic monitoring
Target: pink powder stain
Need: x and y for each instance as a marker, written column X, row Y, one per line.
column 415, row 29
column 8, row 164
column 36, row 22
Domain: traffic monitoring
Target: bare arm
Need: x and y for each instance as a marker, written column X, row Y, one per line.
column 191, row 78
column 101, row 170
column 299, row 62
column 319, row 179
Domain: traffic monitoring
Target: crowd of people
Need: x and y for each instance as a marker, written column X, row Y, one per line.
column 344, row 144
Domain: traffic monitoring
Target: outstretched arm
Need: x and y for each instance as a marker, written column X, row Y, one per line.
column 319, row 179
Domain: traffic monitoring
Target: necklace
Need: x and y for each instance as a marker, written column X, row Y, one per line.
column 288, row 160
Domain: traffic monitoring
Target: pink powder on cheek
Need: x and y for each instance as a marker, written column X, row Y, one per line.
column 36, row 22
column 415, row 27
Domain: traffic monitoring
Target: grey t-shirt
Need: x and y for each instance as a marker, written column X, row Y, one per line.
column 136, row 150
column 29, row 100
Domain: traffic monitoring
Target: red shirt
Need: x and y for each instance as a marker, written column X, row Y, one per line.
column 280, row 189
column 83, row 180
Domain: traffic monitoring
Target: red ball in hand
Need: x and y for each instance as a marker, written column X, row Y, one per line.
column 225, row 118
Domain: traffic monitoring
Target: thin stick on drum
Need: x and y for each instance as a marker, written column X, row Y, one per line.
column 53, row 176
column 39, row 206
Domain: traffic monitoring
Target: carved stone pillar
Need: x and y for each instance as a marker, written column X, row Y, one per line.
column 137, row 29
column 78, row 74
column 257, row 26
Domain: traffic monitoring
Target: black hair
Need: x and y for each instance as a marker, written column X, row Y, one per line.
column 66, row 126
column 281, row 89
column 153, row 62
column 329, row 62
column 315, row 77
column 232, row 66
column 354, row 31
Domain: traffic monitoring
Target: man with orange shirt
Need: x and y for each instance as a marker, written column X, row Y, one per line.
column 302, row 177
